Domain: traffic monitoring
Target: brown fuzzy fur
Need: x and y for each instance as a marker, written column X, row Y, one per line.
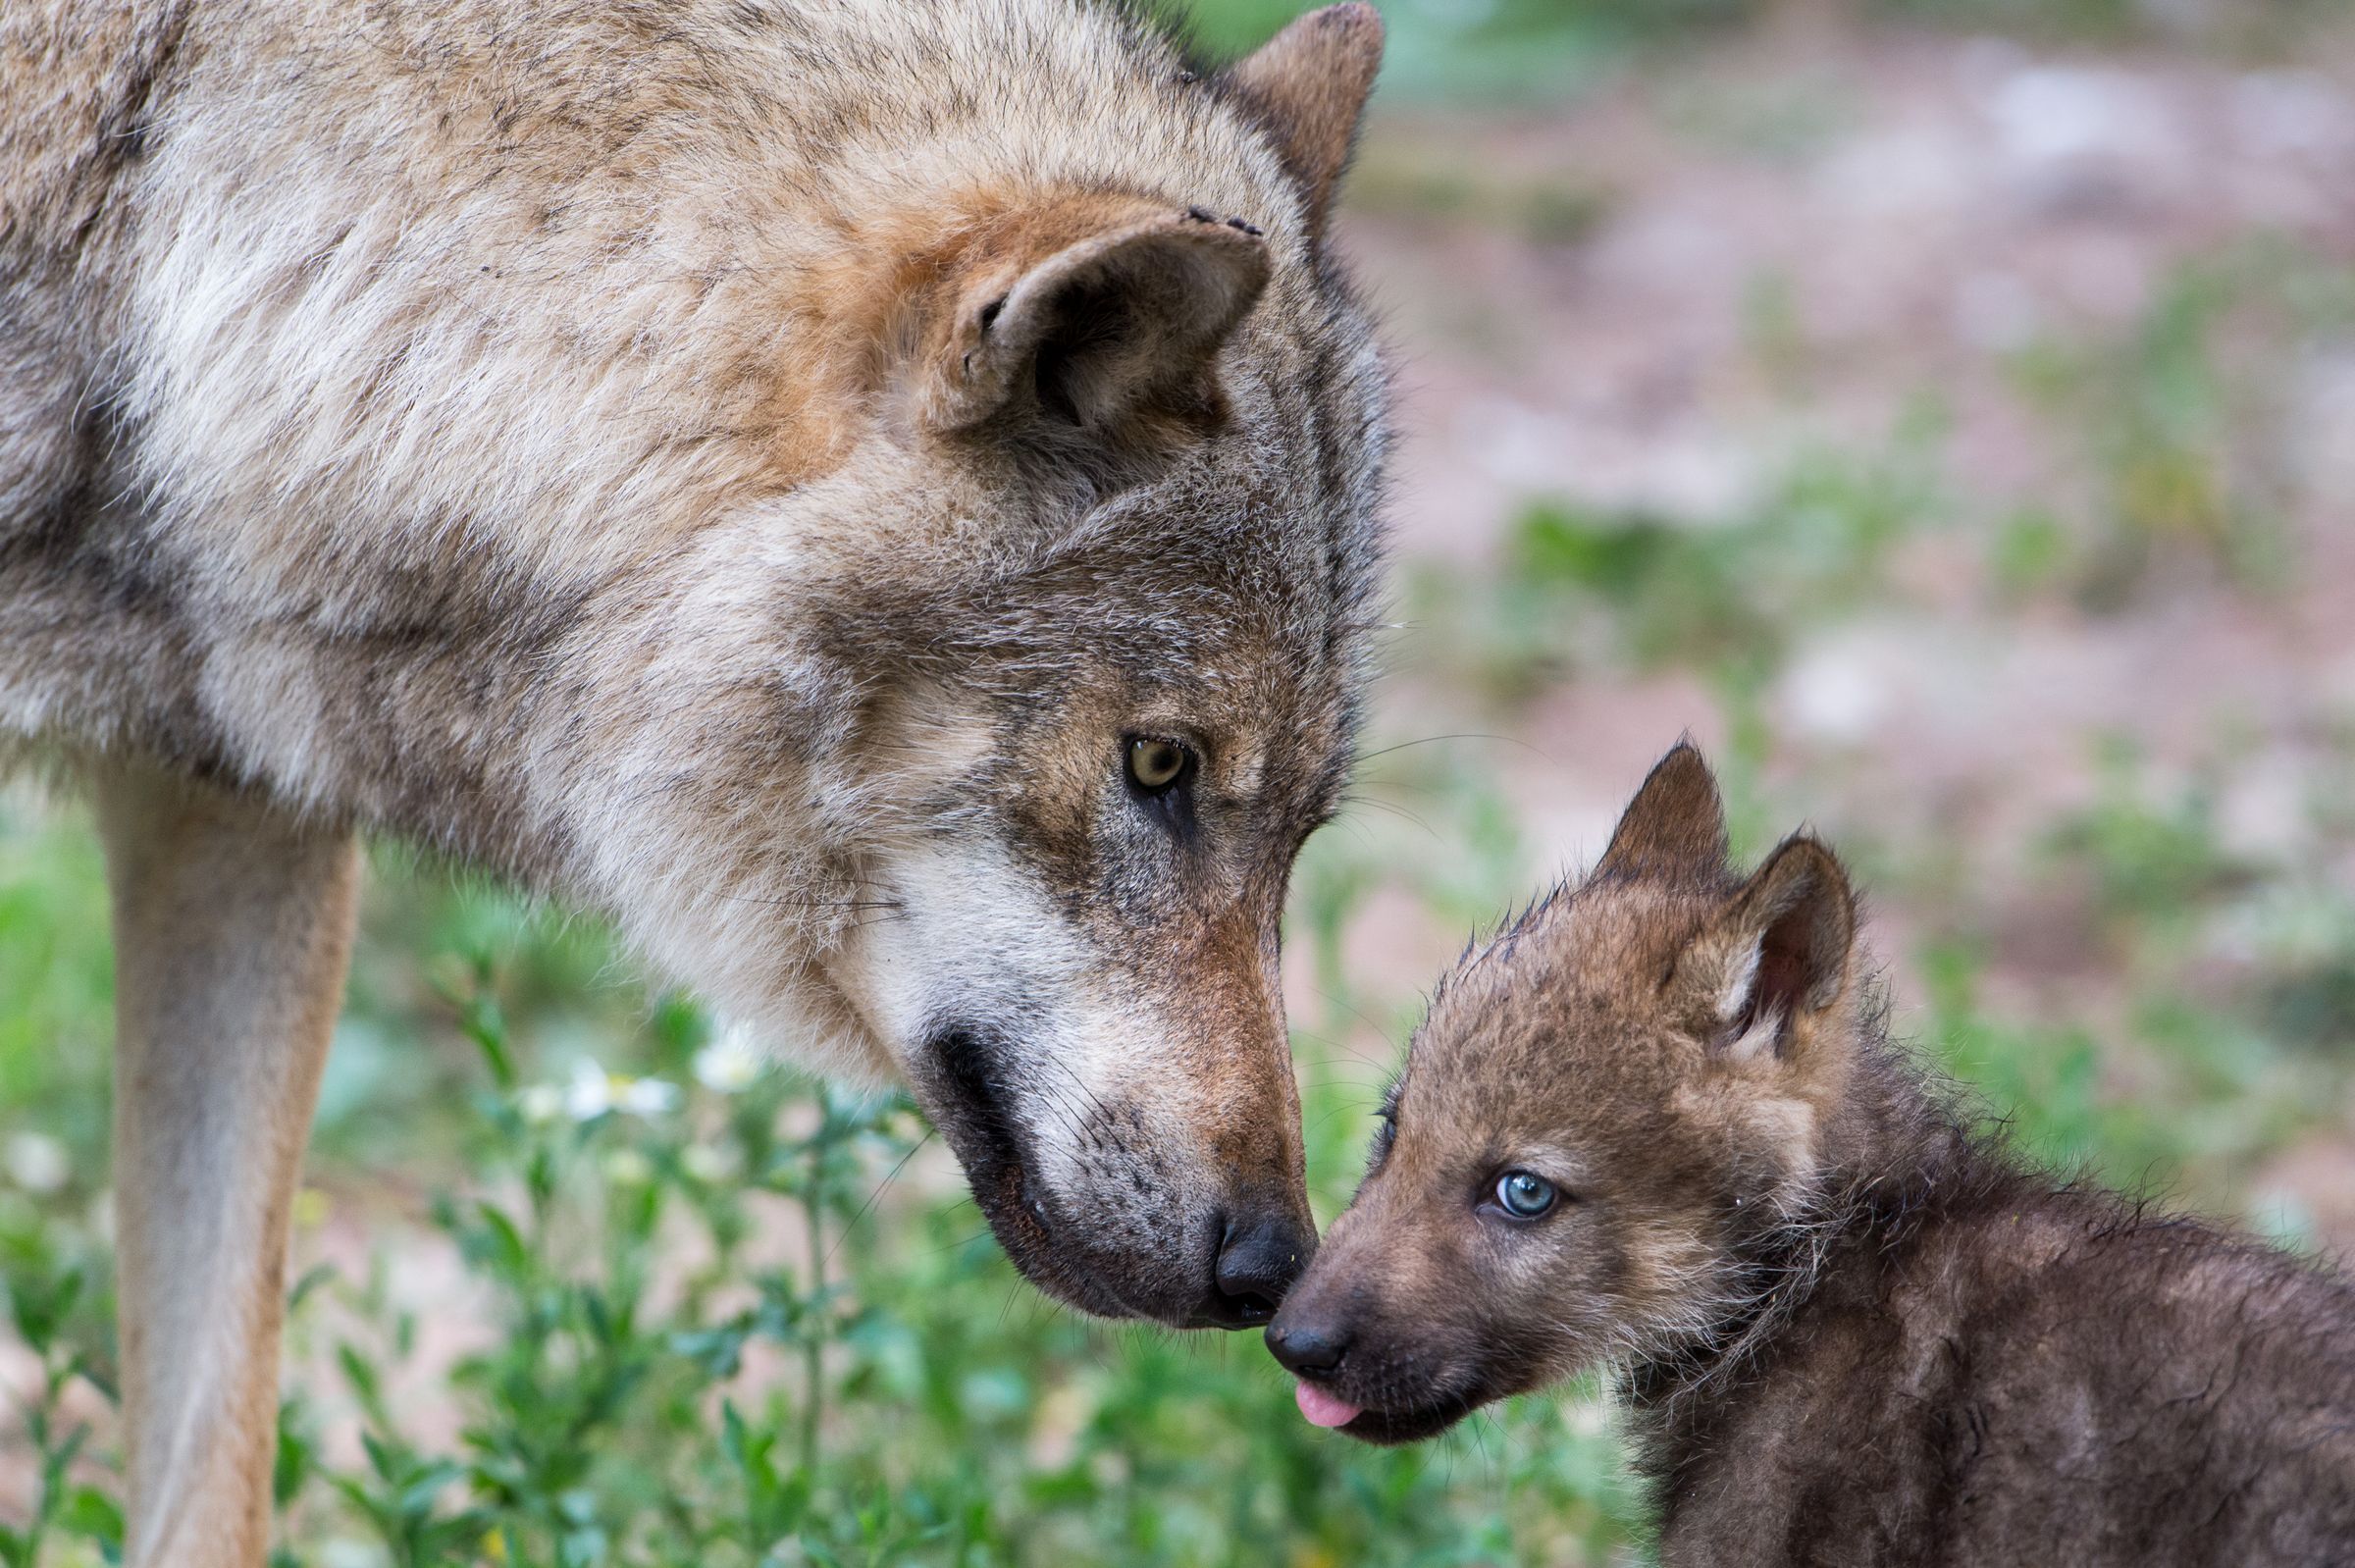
column 746, row 467
column 1848, row 1330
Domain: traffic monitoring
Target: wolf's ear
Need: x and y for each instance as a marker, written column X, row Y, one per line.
column 1775, row 958
column 1674, row 827
column 1309, row 83
column 1117, row 324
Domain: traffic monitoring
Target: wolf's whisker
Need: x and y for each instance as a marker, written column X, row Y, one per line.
column 889, row 1177
column 1433, row 739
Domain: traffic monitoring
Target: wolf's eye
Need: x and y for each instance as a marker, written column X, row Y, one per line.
column 1523, row 1194
column 1156, row 765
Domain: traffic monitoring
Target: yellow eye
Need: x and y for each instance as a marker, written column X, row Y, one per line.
column 1155, row 765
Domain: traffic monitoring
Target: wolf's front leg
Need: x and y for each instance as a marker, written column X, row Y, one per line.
column 233, row 926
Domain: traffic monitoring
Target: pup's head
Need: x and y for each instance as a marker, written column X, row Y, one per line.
column 1607, row 1107
column 1086, row 668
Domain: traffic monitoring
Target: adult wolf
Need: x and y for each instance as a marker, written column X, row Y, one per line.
column 877, row 498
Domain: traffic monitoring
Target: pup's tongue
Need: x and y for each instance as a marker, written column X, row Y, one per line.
column 1321, row 1408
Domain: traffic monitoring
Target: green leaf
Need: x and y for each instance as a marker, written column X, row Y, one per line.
column 94, row 1515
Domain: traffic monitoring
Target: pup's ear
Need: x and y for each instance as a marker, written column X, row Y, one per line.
column 1119, row 324
column 1675, row 826
column 1760, row 973
column 1309, row 83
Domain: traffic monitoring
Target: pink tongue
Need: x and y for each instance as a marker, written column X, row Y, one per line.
column 1321, row 1408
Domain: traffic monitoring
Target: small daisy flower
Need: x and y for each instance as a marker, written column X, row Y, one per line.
column 593, row 1091
column 645, row 1096
column 35, row 1162
column 730, row 1063
column 589, row 1094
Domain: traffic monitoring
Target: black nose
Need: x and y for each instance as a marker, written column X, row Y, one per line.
column 1258, row 1261
column 1308, row 1349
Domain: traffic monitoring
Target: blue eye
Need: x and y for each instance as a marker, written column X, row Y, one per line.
column 1523, row 1194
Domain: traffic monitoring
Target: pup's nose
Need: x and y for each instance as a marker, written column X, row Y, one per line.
column 1258, row 1261
column 1308, row 1349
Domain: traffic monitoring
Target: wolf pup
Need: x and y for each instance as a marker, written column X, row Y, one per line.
column 1657, row 1124
column 877, row 498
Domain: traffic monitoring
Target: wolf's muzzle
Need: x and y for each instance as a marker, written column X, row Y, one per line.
column 1143, row 1243
column 962, row 1087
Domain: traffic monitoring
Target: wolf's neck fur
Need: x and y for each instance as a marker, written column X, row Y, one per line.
column 1896, row 1153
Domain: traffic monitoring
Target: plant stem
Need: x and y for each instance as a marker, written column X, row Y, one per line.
column 813, row 1348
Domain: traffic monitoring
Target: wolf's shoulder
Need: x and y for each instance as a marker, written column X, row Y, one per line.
column 78, row 79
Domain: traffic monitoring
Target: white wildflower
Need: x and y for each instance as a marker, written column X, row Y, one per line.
column 589, row 1094
column 593, row 1091
column 730, row 1063
column 35, row 1162
column 645, row 1096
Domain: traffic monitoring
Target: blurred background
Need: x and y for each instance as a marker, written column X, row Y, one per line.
column 1942, row 409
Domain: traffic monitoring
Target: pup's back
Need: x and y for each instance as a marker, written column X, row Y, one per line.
column 2026, row 1376
column 1658, row 1124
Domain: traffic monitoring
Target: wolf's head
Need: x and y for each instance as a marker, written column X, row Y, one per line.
column 1606, row 1109
column 1058, row 662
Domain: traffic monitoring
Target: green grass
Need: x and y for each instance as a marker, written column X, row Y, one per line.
column 1583, row 593
column 2173, row 422
column 1501, row 53
column 1511, row 54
